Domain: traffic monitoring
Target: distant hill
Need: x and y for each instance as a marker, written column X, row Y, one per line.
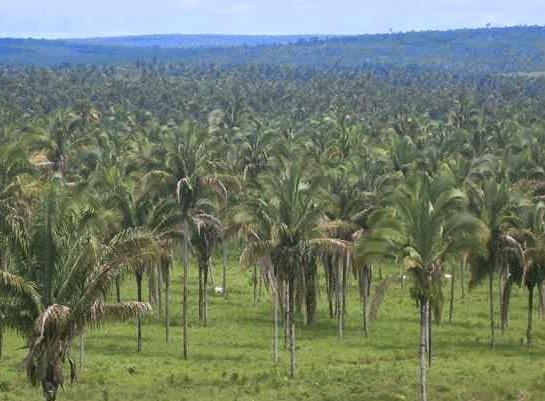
column 503, row 50
column 188, row 41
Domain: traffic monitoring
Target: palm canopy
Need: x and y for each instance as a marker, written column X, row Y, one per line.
column 421, row 224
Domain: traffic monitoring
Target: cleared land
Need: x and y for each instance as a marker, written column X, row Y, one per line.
column 231, row 359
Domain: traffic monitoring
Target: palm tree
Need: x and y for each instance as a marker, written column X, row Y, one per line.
column 72, row 269
column 137, row 208
column 421, row 225
column 185, row 170
column 495, row 205
column 293, row 242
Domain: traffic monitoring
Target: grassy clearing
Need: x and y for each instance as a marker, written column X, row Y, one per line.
column 231, row 359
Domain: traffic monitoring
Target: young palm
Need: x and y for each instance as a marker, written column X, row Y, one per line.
column 61, row 251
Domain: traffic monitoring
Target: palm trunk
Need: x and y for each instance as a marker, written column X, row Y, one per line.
column 462, row 284
column 346, row 264
column 339, row 301
column 1, row 341
column 291, row 323
column 82, row 352
column 310, row 292
column 160, row 291
column 260, row 291
column 185, row 290
column 167, row 303
column 491, row 307
column 541, row 295
column 364, row 294
column 254, row 282
column 139, row 318
column 286, row 317
column 275, row 333
column 505, row 302
column 205, row 295
column 118, row 289
column 152, row 286
column 430, row 334
column 424, row 310
column 201, row 302
column 328, row 272
column 451, row 305
column 530, row 316
column 211, row 267
column 224, row 270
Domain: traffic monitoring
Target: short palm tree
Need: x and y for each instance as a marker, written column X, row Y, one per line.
column 61, row 252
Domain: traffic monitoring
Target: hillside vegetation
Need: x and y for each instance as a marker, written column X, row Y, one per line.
column 516, row 49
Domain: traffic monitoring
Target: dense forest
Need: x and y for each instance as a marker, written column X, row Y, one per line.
column 370, row 174
column 504, row 50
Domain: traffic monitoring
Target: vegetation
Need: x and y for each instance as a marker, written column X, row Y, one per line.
column 518, row 50
column 348, row 195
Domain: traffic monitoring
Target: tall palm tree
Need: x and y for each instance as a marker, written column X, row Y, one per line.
column 185, row 170
column 294, row 241
column 421, row 225
column 495, row 205
column 137, row 209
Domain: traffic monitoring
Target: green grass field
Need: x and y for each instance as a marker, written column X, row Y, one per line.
column 231, row 359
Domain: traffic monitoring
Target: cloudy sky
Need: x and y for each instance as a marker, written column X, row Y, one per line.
column 87, row 18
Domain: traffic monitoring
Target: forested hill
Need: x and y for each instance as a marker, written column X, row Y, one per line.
column 500, row 50
column 190, row 41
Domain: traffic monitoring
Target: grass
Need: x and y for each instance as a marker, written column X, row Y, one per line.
column 231, row 359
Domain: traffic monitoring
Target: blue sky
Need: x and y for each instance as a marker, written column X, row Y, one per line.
column 85, row 18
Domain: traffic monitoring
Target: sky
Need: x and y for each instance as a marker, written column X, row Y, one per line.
column 91, row 18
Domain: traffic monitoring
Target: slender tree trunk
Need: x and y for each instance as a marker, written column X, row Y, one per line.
column 1, row 340
column 275, row 333
column 118, row 289
column 310, row 292
column 260, row 291
column 430, row 333
column 291, row 323
column 152, row 286
column 339, row 302
column 167, row 303
column 451, row 305
column 201, row 299
column 211, row 268
column 224, row 270
column 328, row 271
column 541, row 295
column 462, row 271
column 530, row 316
column 139, row 318
column 205, row 295
column 185, row 291
column 160, row 290
column 424, row 309
column 364, row 295
column 505, row 302
column 346, row 264
column 254, row 282
column 82, row 352
column 491, row 307
column 286, row 317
